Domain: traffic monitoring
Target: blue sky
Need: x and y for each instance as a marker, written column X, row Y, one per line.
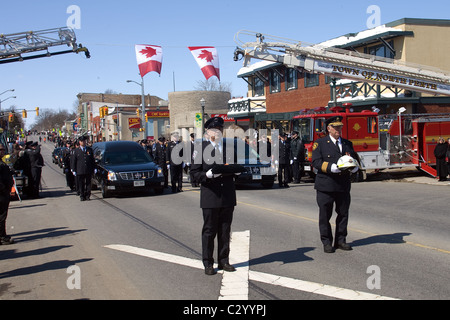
column 110, row 29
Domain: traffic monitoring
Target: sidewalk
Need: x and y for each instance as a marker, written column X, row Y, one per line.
column 406, row 175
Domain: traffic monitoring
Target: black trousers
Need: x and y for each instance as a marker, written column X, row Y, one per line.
column 84, row 185
column 176, row 177
column 297, row 170
column 216, row 221
column 283, row 174
column 326, row 200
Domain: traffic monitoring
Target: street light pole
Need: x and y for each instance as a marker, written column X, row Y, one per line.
column 143, row 105
column 143, row 111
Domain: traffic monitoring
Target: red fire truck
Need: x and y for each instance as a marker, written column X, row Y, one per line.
column 382, row 141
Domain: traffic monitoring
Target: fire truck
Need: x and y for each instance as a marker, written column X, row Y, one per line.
column 382, row 141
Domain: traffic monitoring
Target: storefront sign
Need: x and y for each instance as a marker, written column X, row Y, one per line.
column 158, row 114
column 384, row 78
column 226, row 118
column 134, row 123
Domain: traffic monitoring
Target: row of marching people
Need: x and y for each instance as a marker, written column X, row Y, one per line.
column 78, row 165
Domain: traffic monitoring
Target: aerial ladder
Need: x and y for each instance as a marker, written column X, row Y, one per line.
column 394, row 148
column 342, row 63
column 27, row 45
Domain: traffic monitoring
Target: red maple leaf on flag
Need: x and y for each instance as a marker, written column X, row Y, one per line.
column 148, row 51
column 207, row 55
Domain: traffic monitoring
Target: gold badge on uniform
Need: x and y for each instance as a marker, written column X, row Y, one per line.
column 315, row 145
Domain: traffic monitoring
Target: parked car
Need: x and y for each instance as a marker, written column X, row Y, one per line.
column 257, row 171
column 124, row 166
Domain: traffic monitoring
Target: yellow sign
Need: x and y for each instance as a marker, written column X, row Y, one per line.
column 198, row 120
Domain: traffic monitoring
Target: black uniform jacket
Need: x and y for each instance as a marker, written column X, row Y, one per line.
column 324, row 154
column 216, row 192
column 6, row 179
column 83, row 162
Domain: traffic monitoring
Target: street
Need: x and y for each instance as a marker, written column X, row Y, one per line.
column 147, row 246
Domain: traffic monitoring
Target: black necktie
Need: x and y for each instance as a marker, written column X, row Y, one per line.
column 337, row 146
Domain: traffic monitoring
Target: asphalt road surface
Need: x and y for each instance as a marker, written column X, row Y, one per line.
column 147, row 246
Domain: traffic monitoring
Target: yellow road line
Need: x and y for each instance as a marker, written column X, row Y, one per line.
column 356, row 230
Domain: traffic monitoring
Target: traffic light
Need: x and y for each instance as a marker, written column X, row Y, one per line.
column 138, row 112
column 24, row 114
column 105, row 111
column 102, row 112
column 11, row 117
column 37, row 111
column 146, row 117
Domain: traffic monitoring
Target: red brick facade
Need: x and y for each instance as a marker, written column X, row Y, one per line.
column 298, row 99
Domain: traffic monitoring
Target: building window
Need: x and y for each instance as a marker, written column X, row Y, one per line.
column 311, row 80
column 291, row 79
column 275, row 82
column 258, row 87
column 381, row 50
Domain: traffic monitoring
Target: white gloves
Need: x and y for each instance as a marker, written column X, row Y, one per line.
column 211, row 175
column 334, row 168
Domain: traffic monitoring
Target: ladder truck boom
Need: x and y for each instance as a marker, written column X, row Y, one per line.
column 14, row 47
column 342, row 63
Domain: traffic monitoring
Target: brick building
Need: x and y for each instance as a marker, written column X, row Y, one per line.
column 122, row 121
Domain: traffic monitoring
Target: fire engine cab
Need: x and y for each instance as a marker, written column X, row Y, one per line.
column 381, row 141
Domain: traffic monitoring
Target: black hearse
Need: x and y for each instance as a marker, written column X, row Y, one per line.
column 124, row 166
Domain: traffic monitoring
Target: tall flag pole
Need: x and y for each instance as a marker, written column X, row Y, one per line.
column 208, row 60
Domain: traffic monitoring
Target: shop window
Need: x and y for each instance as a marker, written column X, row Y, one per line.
column 291, row 79
column 258, row 87
column 275, row 82
column 311, row 80
column 381, row 50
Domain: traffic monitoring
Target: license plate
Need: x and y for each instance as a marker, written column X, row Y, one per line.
column 307, row 168
column 256, row 177
column 139, row 183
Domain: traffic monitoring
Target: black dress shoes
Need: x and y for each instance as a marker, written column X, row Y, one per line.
column 327, row 248
column 343, row 246
column 227, row 267
column 210, row 271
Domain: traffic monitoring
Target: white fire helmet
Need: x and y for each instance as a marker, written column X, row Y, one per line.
column 346, row 162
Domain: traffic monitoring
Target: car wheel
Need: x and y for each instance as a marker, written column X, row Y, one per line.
column 105, row 193
column 267, row 185
column 159, row 190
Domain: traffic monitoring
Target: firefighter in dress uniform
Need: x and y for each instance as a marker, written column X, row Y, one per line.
column 217, row 197
column 6, row 183
column 83, row 163
column 333, row 185
column 174, row 165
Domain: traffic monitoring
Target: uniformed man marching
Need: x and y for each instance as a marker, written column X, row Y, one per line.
column 332, row 185
column 217, row 197
column 83, row 163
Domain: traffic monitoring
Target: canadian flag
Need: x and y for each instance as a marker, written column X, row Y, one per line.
column 149, row 58
column 208, row 60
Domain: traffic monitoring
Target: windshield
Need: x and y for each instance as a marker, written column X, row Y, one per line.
column 132, row 157
column 303, row 126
